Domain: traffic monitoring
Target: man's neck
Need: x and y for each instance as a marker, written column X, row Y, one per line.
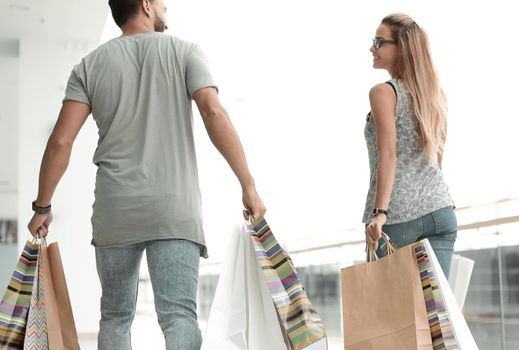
column 133, row 28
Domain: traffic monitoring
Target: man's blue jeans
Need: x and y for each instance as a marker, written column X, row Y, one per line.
column 440, row 227
column 173, row 267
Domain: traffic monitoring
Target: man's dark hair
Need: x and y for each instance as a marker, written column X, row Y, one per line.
column 123, row 10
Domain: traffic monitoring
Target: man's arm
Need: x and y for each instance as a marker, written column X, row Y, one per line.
column 56, row 158
column 226, row 140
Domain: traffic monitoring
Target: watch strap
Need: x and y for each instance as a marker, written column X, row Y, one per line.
column 40, row 210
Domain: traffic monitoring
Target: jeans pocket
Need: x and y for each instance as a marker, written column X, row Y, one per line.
column 445, row 221
column 397, row 233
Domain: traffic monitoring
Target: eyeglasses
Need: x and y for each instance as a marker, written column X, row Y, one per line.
column 378, row 42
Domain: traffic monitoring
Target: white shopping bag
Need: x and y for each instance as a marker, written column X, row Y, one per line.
column 464, row 338
column 243, row 316
column 459, row 277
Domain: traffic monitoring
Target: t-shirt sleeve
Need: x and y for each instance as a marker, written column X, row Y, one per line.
column 198, row 75
column 76, row 86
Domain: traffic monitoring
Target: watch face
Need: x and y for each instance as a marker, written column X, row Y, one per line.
column 377, row 211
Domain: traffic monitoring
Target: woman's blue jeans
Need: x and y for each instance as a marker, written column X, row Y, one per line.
column 440, row 227
column 173, row 267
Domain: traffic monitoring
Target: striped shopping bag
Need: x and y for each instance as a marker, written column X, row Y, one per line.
column 441, row 329
column 15, row 304
column 36, row 337
column 300, row 322
column 449, row 329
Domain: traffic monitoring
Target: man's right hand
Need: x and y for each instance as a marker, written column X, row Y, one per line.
column 253, row 204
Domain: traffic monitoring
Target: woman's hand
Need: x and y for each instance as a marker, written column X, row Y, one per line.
column 374, row 230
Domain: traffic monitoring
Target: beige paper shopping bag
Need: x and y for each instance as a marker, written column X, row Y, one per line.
column 383, row 305
column 61, row 327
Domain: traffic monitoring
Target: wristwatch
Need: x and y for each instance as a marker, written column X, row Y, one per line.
column 40, row 210
column 377, row 211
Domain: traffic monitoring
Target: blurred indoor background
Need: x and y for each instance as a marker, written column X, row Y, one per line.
column 294, row 77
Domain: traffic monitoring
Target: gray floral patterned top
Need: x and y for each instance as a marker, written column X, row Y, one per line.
column 419, row 187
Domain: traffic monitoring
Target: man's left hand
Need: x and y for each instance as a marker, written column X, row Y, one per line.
column 39, row 224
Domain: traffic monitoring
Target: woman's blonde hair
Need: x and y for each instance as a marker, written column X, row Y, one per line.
column 415, row 68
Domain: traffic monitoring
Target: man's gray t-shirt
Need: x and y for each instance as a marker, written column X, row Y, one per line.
column 140, row 89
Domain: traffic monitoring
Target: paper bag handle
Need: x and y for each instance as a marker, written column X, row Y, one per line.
column 390, row 247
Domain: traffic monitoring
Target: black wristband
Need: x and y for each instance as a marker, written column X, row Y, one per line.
column 40, row 210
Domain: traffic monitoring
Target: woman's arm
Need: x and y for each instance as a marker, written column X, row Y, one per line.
column 383, row 103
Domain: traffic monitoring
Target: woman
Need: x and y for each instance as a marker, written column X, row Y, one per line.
column 405, row 133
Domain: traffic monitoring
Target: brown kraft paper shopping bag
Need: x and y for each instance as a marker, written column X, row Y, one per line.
column 383, row 304
column 61, row 327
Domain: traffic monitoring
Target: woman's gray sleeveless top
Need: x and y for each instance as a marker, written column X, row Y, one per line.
column 419, row 187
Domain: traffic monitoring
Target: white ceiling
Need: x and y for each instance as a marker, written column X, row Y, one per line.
column 68, row 20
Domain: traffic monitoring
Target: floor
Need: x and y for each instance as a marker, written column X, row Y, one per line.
column 146, row 334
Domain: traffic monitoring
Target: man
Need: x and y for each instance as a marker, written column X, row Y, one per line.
column 138, row 88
